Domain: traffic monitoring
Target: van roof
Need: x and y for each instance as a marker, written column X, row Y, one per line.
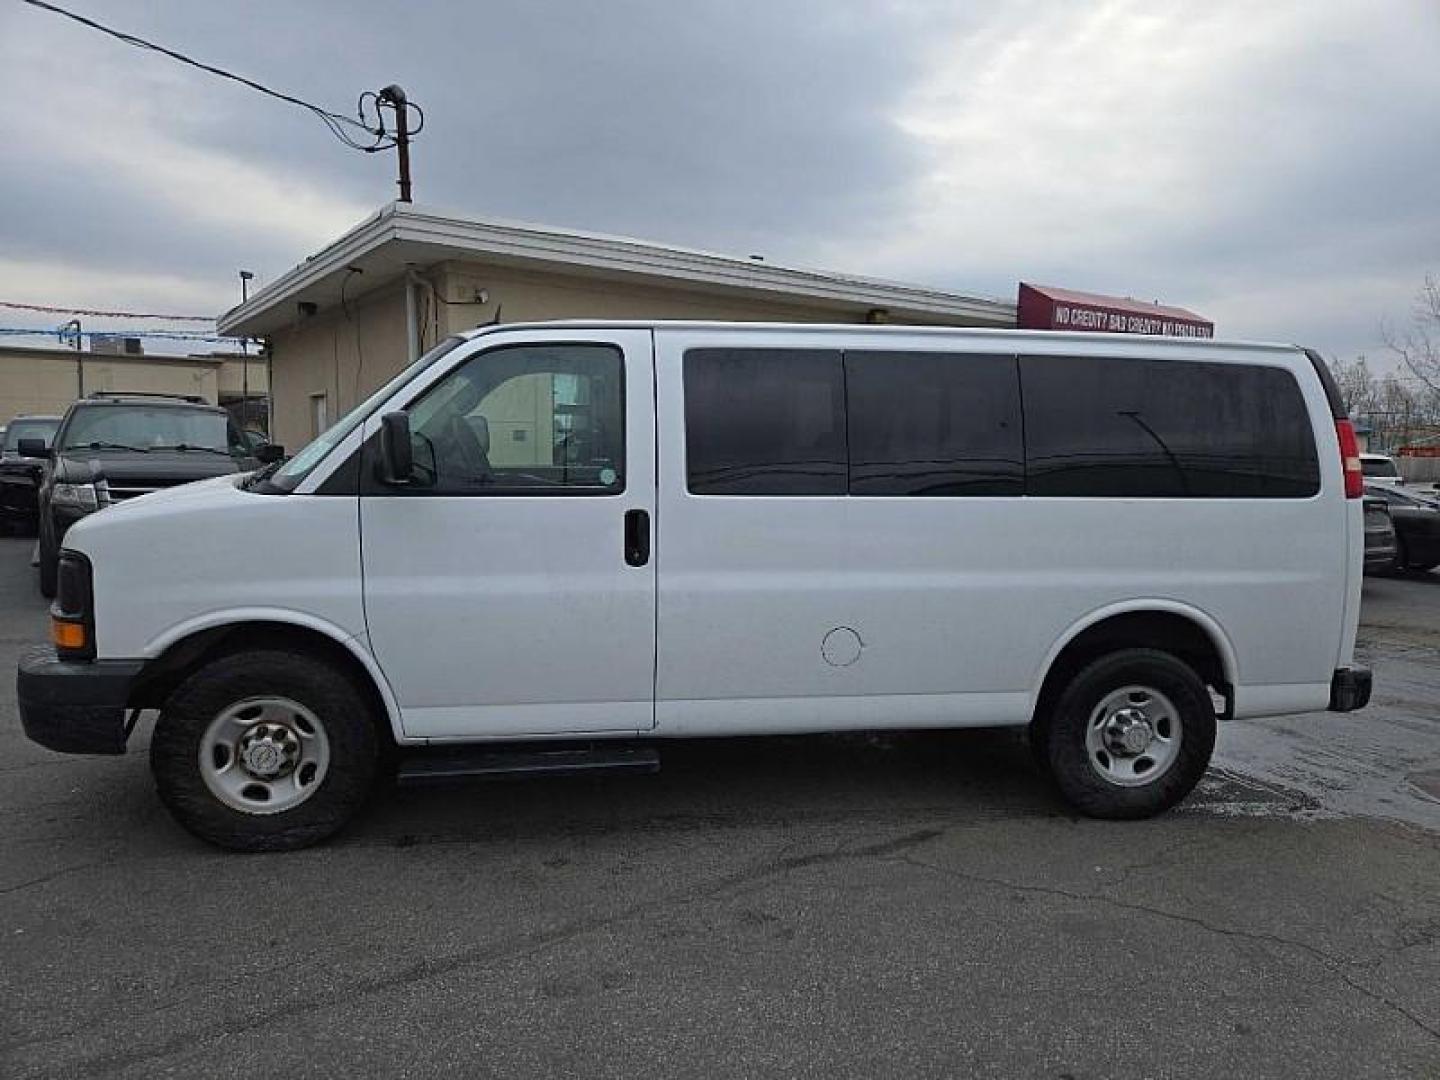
column 974, row 332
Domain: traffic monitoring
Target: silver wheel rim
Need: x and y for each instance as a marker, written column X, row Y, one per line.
column 264, row 755
column 1133, row 736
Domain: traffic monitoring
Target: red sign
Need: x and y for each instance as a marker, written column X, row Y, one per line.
column 1044, row 308
column 1418, row 451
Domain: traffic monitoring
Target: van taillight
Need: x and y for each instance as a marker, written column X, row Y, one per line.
column 1350, row 459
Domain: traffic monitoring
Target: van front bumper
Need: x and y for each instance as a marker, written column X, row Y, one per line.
column 76, row 708
column 1350, row 689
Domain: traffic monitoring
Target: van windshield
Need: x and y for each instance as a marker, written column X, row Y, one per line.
column 289, row 476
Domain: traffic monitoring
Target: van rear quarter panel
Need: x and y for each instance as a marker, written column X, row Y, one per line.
column 954, row 597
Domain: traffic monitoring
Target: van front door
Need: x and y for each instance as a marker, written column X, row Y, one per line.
column 509, row 587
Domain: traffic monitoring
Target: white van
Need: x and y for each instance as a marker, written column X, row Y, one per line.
column 544, row 548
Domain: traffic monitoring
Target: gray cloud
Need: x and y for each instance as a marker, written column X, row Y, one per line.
column 1269, row 169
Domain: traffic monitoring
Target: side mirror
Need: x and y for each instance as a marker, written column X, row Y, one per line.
column 269, row 453
column 396, row 456
column 36, row 448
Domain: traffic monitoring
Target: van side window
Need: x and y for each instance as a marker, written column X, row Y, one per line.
column 936, row 424
column 765, row 422
column 1097, row 426
column 526, row 419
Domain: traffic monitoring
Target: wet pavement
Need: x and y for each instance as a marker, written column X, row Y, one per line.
column 918, row 905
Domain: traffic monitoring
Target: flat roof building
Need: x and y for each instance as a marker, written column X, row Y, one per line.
column 352, row 315
column 45, row 380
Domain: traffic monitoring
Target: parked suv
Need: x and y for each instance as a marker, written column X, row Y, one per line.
column 113, row 447
column 547, row 548
column 19, row 472
column 1380, row 469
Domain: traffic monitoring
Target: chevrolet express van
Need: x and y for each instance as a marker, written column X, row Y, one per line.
column 545, row 548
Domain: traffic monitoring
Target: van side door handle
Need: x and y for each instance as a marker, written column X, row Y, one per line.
column 637, row 537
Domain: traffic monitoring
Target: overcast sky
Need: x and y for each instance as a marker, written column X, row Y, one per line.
column 1273, row 165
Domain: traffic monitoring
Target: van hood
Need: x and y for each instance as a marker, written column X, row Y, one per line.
column 215, row 492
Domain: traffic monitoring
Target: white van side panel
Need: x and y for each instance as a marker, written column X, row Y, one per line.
column 958, row 602
column 234, row 554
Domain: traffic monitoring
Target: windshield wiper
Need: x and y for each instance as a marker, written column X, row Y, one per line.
column 107, row 446
column 261, row 475
column 187, row 447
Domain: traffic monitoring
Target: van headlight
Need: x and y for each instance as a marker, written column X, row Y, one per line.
column 72, row 615
column 78, row 496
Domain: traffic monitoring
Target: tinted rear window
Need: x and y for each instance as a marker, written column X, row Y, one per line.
column 1371, row 467
column 1165, row 429
column 765, row 422
column 933, row 424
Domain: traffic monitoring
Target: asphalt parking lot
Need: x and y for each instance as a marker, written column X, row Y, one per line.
column 811, row 907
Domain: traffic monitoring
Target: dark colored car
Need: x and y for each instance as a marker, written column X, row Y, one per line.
column 1417, row 527
column 20, row 474
column 1380, row 546
column 112, row 447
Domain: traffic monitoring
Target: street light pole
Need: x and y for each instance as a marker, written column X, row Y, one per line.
column 74, row 324
column 246, row 276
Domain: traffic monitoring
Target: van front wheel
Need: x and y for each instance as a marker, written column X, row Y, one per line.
column 1130, row 736
column 264, row 751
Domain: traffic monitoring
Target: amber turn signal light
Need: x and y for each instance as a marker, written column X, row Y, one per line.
column 67, row 635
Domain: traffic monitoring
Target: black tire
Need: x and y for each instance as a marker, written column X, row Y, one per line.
column 326, row 692
column 1060, row 737
column 49, row 564
column 1423, row 567
column 1401, row 562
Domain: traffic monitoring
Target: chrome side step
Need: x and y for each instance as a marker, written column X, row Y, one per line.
column 480, row 763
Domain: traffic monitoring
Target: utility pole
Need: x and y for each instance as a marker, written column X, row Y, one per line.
column 246, row 276
column 394, row 96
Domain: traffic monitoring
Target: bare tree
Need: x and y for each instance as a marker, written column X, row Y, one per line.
column 1418, row 345
column 1356, row 383
column 1396, row 409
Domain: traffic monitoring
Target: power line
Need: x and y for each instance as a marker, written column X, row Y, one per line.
column 377, row 137
column 96, row 312
column 167, row 335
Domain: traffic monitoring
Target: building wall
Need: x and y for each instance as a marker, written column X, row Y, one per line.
column 242, row 374
column 335, row 359
column 317, row 356
column 526, row 296
column 45, row 380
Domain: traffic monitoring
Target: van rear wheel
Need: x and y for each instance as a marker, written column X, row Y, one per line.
column 264, row 751
column 1130, row 736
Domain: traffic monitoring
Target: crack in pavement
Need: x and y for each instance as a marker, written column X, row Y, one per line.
column 535, row 942
column 1330, row 963
column 50, row 877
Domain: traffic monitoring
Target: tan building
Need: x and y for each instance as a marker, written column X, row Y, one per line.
column 47, row 380
column 346, row 319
